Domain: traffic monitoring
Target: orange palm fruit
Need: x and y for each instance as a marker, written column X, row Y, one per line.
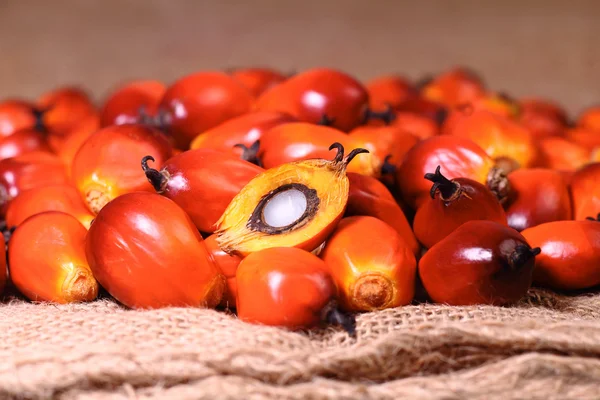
column 64, row 108
column 561, row 154
column 415, row 124
column 590, row 119
column 245, row 130
column 3, row 268
column 47, row 259
column 387, row 143
column 368, row 196
column 287, row 287
column 107, row 165
column 503, row 139
column 228, row 264
column 542, row 118
column 371, row 264
column 454, row 202
column 147, row 253
column 458, row 157
column 570, row 257
column 59, row 197
column 16, row 115
column 294, row 205
column 21, row 142
column 300, row 141
column 537, row 196
column 69, row 145
column 131, row 102
column 585, row 191
column 454, row 87
column 498, row 104
column 585, row 137
column 390, row 91
column 258, row 80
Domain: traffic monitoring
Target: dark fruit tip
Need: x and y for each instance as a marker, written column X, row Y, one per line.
column 250, row 154
column 326, row 120
column 156, row 179
column 340, row 152
column 388, row 168
column 353, row 154
column 345, row 320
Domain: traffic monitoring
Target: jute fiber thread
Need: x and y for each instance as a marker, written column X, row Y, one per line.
column 546, row 347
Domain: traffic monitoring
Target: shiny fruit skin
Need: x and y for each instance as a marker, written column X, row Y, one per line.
column 284, row 287
column 379, row 273
column 22, row 142
column 389, row 91
column 3, row 268
column 458, row 157
column 570, row 257
column 537, row 196
column 65, row 108
column 245, row 129
column 228, row 264
column 47, row 259
column 299, row 141
column 124, row 104
column 258, row 80
column 415, row 124
column 585, row 191
column 368, row 196
column 470, row 266
column 384, row 141
column 499, row 136
column 60, row 197
column 436, row 219
column 28, row 171
column 542, row 118
column 585, row 137
column 146, row 252
column 203, row 182
column 108, row 163
column 312, row 94
column 16, row 115
column 201, row 101
column 561, row 154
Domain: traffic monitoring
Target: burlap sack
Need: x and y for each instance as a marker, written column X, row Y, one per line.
column 546, row 347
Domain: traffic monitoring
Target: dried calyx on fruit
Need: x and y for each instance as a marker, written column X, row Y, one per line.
column 250, row 154
column 294, row 205
column 449, row 190
column 594, row 219
column 387, row 116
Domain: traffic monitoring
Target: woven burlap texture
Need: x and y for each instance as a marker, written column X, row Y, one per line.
column 546, row 347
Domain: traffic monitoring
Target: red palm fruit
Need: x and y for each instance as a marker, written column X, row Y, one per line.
column 47, row 259
column 390, row 91
column 245, row 130
column 415, row 124
column 127, row 102
column 386, row 143
column 287, row 287
column 64, row 108
column 455, row 87
column 146, row 252
column 427, row 108
column 17, row 115
column 258, row 80
column 454, row 202
column 28, row 171
column 458, row 157
column 570, row 257
column 201, row 101
column 299, row 141
column 368, row 196
column 496, row 103
column 481, row 262
column 228, row 264
column 312, row 94
column 22, row 142
column 202, row 182
column 585, row 191
column 585, row 137
column 3, row 268
column 561, row 154
column 503, row 139
column 542, row 118
column 590, row 119
column 537, row 196
column 59, row 197
column 107, row 165
column 379, row 273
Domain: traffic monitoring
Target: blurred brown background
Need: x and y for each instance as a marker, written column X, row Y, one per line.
column 547, row 48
